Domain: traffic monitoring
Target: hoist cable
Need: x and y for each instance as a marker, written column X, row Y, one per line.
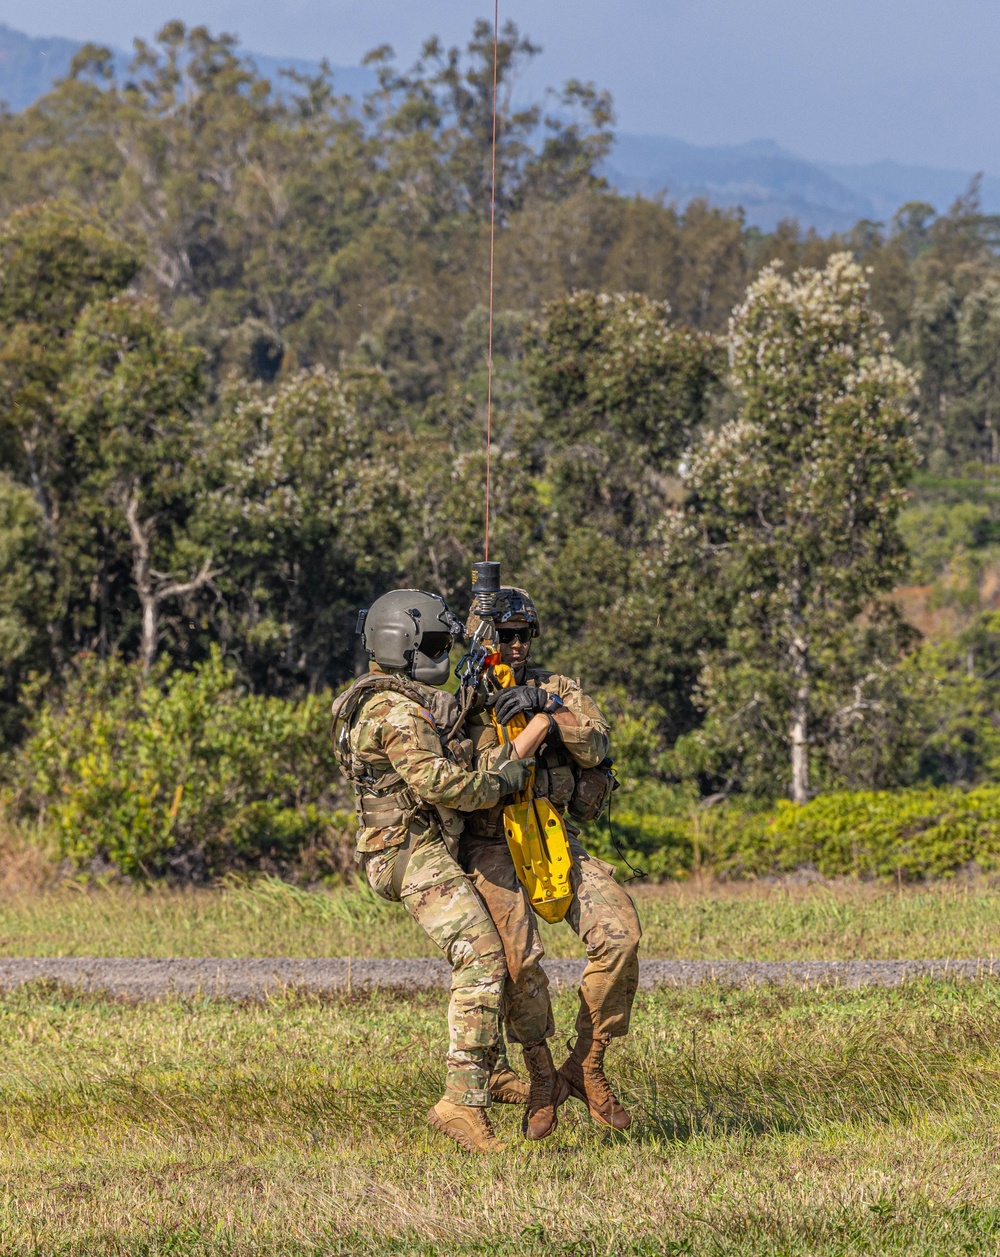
column 493, row 227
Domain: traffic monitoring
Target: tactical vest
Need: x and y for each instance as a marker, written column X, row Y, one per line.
column 583, row 793
column 385, row 801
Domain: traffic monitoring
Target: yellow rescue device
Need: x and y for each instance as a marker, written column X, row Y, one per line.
column 535, row 833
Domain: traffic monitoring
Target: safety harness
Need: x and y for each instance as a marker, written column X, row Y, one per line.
column 384, row 800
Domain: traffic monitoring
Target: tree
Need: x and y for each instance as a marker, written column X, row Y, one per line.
column 979, row 370
column 303, row 512
column 792, row 511
column 54, row 260
column 132, row 401
column 26, row 597
column 954, row 686
column 621, row 388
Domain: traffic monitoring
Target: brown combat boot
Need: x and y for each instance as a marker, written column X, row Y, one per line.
column 468, row 1126
column 506, row 1087
column 583, row 1074
column 546, row 1092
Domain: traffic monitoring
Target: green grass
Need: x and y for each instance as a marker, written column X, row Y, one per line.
column 751, row 920
column 771, row 1121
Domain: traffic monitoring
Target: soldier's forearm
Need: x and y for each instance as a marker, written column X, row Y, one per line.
column 467, row 792
column 437, row 780
column 531, row 737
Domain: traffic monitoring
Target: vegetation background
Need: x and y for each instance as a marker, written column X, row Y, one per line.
column 242, row 391
column 751, row 480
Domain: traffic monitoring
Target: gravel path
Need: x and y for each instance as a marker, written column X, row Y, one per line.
column 255, row 979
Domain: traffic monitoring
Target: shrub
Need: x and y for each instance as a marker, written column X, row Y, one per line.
column 652, row 824
column 182, row 773
column 186, row 773
column 908, row 833
column 913, row 834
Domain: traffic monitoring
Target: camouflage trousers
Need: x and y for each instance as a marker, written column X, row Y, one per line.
column 438, row 895
column 602, row 915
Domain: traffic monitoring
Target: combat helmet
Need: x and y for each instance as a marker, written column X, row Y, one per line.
column 411, row 631
column 509, row 603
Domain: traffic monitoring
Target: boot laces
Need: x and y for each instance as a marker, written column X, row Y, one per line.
column 539, row 1080
column 477, row 1116
column 594, row 1071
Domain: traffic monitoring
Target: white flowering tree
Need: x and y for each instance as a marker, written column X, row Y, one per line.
column 792, row 513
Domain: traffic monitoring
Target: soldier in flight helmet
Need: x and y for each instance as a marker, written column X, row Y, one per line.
column 392, row 733
column 411, row 632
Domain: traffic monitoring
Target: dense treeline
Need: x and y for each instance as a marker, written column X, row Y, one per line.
column 243, row 381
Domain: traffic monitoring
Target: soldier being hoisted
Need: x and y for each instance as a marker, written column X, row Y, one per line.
column 566, row 730
column 390, row 729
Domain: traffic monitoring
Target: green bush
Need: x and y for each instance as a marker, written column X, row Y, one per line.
column 652, row 825
column 186, row 773
column 907, row 833
column 913, row 834
column 182, row 773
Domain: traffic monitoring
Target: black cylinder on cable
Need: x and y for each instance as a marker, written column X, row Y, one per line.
column 485, row 584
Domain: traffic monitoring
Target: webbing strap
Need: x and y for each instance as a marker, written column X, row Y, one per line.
column 403, row 853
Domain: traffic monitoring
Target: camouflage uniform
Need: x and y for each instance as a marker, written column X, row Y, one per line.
column 602, row 913
column 394, row 737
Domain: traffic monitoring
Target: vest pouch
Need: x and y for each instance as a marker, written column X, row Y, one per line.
column 384, row 820
column 594, row 787
column 452, row 825
column 386, row 811
column 460, row 752
column 560, row 786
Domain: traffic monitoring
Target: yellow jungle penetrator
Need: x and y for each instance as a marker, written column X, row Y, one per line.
column 535, row 833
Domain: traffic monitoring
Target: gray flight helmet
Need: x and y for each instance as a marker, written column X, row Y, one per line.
column 411, row 631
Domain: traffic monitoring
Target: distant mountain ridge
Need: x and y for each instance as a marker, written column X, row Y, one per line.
column 889, row 185
column 768, row 182
column 29, row 67
column 771, row 183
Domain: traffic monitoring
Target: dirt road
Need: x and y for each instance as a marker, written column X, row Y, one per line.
column 256, row 979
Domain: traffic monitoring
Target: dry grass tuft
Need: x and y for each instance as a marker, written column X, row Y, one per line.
column 24, row 866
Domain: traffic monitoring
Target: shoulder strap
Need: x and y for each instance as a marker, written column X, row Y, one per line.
column 345, row 708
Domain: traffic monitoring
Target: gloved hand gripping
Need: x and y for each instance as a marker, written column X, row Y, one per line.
column 522, row 700
column 514, row 775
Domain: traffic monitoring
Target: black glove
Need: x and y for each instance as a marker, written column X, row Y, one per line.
column 514, row 775
column 522, row 700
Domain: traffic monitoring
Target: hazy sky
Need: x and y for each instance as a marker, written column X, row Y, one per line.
column 917, row 81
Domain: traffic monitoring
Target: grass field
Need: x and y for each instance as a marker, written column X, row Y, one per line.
column 743, row 921
column 768, row 1121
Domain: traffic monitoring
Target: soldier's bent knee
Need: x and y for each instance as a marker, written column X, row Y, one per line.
column 475, row 961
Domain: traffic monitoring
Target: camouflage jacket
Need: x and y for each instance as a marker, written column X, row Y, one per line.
column 401, row 771
column 558, row 766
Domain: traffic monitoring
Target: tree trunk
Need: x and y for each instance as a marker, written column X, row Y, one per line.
column 143, row 583
column 798, row 725
column 103, row 611
column 152, row 594
column 40, row 491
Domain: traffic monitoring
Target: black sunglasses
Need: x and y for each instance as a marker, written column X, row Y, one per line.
column 510, row 635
